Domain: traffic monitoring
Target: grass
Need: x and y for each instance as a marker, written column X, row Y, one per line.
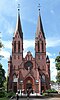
column 4, row 98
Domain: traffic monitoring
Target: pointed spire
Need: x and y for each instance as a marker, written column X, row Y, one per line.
column 39, row 25
column 47, row 59
column 18, row 24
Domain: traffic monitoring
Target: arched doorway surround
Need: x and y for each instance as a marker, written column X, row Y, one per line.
column 29, row 83
column 15, row 80
column 43, row 82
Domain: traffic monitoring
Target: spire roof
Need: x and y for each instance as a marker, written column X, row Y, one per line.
column 47, row 59
column 18, row 24
column 39, row 26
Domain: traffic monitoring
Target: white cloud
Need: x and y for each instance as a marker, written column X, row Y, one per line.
column 6, row 24
column 28, row 44
column 24, row 53
column 52, row 60
column 7, row 44
column 10, row 30
column 53, row 42
column 53, row 69
column 49, row 54
column 4, row 53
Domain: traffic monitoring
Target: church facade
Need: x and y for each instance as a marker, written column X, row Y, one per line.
column 29, row 72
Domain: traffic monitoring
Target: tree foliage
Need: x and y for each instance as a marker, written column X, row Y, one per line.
column 52, row 81
column 2, row 76
column 57, row 60
column 5, row 83
column 58, row 77
column 1, row 45
column 58, row 65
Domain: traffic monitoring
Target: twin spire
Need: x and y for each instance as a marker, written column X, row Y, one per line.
column 18, row 24
column 39, row 24
column 39, row 27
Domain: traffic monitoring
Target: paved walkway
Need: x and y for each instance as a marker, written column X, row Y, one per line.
column 37, row 99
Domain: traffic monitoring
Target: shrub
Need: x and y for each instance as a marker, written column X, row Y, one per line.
column 51, row 91
column 2, row 94
column 45, row 94
column 10, row 94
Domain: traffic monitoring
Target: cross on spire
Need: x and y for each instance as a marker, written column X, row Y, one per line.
column 18, row 7
column 39, row 7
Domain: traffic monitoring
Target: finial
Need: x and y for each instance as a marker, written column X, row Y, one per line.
column 18, row 7
column 39, row 7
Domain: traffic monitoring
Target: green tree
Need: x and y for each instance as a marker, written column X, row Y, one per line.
column 5, row 83
column 57, row 60
column 2, row 76
column 1, row 45
column 52, row 81
column 58, row 77
column 57, row 63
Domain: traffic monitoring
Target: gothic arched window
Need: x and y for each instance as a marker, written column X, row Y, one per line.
column 43, row 78
column 18, row 46
column 14, row 46
column 14, row 76
column 15, row 79
column 42, row 46
column 38, row 46
column 28, row 65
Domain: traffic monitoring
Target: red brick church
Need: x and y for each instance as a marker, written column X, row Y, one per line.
column 29, row 72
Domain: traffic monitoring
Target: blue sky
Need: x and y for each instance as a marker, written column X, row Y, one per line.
column 50, row 14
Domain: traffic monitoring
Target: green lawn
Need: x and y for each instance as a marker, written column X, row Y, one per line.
column 4, row 98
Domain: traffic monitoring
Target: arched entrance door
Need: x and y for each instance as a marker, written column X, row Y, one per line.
column 42, row 78
column 15, row 87
column 28, row 86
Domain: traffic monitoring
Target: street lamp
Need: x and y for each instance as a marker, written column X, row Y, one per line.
column 21, row 82
column 50, row 85
column 59, row 88
column 36, row 81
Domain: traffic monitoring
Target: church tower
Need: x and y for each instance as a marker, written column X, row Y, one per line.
column 40, row 45
column 14, row 64
column 40, row 53
column 17, row 44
